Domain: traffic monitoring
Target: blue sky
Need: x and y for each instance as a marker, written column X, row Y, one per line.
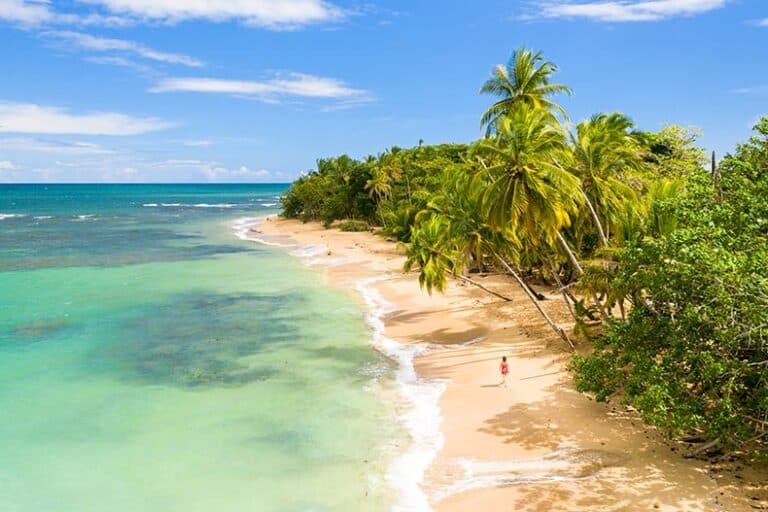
column 257, row 90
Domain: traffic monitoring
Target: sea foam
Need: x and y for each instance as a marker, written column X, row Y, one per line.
column 423, row 417
column 183, row 205
column 4, row 216
column 244, row 230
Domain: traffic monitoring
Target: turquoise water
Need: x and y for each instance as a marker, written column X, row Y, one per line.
column 152, row 361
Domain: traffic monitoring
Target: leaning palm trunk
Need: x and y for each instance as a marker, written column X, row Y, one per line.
column 475, row 283
column 580, row 271
column 569, row 252
column 558, row 330
column 596, row 219
column 566, row 296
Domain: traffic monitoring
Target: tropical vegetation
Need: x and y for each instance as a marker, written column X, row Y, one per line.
column 663, row 262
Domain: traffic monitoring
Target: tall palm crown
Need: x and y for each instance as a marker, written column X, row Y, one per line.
column 603, row 151
column 529, row 192
column 524, row 79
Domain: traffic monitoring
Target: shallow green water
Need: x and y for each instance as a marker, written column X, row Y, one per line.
column 151, row 361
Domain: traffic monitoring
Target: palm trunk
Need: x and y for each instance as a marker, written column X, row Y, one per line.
column 596, row 219
column 559, row 283
column 558, row 330
column 569, row 252
column 475, row 283
column 580, row 271
column 408, row 184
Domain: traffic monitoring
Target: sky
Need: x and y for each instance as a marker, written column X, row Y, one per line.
column 257, row 90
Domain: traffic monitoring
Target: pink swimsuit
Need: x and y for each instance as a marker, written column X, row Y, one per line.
column 504, row 368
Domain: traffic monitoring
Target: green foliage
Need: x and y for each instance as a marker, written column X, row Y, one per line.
column 336, row 190
column 524, row 80
column 693, row 354
column 353, row 226
column 671, row 153
column 528, row 193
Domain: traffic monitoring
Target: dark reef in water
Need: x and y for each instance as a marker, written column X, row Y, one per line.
column 33, row 332
column 166, row 347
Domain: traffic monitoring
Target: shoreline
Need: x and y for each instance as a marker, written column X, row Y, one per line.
column 536, row 445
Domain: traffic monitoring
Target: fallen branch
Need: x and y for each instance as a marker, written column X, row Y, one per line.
column 698, row 451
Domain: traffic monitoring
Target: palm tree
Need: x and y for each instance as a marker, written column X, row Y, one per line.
column 453, row 224
column 524, row 79
column 379, row 187
column 452, row 233
column 529, row 192
column 529, row 196
column 430, row 252
column 603, row 149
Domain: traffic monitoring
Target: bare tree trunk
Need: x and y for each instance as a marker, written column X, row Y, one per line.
column 566, row 297
column 596, row 219
column 698, row 451
column 475, row 283
column 580, row 271
column 558, row 330
column 569, row 252
column 408, row 183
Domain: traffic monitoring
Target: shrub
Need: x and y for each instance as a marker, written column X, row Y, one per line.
column 353, row 226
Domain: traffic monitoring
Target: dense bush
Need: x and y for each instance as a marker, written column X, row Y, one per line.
column 336, row 190
column 693, row 354
column 353, row 226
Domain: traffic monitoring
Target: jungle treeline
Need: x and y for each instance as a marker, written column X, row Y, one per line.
column 660, row 255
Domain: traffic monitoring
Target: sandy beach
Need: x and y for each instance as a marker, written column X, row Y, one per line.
column 536, row 444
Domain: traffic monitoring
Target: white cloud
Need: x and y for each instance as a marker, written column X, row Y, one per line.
column 265, row 13
column 272, row 14
column 25, row 12
column 292, row 85
column 32, row 118
column 100, row 44
column 5, row 165
column 212, row 171
column 123, row 62
column 628, row 10
column 751, row 90
column 28, row 13
column 198, row 143
column 763, row 23
column 218, row 173
column 27, row 145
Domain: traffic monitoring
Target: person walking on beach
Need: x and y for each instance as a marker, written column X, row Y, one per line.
column 504, row 369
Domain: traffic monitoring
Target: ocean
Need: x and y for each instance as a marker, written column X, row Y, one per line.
column 153, row 360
